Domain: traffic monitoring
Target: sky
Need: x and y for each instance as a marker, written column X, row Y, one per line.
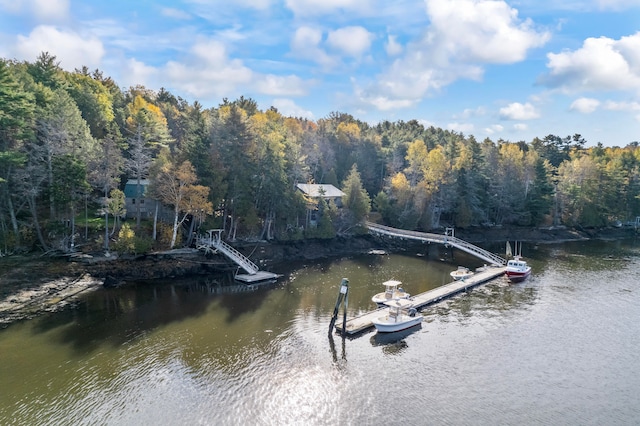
column 511, row 70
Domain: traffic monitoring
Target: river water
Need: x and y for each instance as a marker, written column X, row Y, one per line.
column 559, row 348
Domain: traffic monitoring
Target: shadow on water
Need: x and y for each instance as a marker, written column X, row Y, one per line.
column 120, row 315
column 395, row 341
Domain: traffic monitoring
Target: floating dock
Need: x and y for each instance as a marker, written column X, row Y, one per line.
column 259, row 276
column 363, row 322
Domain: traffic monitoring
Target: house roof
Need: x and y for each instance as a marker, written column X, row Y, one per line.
column 130, row 188
column 320, row 190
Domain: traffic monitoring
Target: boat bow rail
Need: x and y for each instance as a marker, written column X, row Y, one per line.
column 476, row 251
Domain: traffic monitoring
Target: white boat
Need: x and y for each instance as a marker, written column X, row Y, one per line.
column 517, row 269
column 392, row 290
column 399, row 315
column 461, row 273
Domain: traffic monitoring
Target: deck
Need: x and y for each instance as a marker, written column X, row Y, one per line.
column 363, row 322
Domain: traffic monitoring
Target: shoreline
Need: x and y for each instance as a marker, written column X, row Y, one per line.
column 33, row 285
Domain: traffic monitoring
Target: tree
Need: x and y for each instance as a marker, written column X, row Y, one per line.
column 116, row 206
column 70, row 183
column 105, row 175
column 16, row 126
column 61, row 130
column 356, row 198
column 540, row 197
column 147, row 122
column 176, row 186
column 233, row 136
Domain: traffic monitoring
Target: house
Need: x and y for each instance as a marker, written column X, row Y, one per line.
column 327, row 192
column 135, row 197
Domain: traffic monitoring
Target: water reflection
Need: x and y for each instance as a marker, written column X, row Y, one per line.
column 191, row 352
column 339, row 362
column 395, row 339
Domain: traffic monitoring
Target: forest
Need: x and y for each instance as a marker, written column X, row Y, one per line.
column 69, row 141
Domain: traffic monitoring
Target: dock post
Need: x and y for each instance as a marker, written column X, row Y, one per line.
column 343, row 294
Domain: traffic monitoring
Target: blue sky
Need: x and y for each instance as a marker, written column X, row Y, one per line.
column 500, row 69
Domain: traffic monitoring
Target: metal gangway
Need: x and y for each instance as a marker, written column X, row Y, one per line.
column 213, row 242
column 446, row 239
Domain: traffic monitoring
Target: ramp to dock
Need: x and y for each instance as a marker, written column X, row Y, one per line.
column 213, row 244
column 476, row 251
column 363, row 322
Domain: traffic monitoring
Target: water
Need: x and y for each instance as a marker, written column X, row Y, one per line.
column 560, row 348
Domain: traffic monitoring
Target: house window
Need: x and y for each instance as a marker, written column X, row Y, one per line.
column 133, row 201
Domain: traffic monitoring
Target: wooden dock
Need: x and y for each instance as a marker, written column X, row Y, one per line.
column 363, row 322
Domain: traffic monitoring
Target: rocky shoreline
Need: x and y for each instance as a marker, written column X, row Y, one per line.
column 60, row 281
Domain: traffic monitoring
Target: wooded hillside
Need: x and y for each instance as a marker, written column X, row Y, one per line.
column 69, row 142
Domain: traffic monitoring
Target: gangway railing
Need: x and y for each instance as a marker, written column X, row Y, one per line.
column 437, row 238
column 240, row 259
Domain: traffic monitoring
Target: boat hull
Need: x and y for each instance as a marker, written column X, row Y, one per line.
column 384, row 325
column 517, row 276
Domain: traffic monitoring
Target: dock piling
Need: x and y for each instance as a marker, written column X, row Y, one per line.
column 343, row 295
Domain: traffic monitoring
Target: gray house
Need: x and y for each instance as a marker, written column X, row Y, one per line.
column 323, row 190
column 327, row 192
column 134, row 198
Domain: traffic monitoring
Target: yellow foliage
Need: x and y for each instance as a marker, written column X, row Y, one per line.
column 348, row 132
column 399, row 182
column 138, row 105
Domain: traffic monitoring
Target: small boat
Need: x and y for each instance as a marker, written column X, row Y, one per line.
column 517, row 269
column 392, row 291
column 398, row 316
column 377, row 252
column 462, row 273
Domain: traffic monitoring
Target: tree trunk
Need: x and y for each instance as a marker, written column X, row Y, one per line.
column 191, row 228
column 175, row 227
column 106, row 223
column 32, row 207
column 138, row 196
column 155, row 221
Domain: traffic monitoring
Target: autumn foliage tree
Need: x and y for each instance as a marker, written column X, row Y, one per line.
column 175, row 185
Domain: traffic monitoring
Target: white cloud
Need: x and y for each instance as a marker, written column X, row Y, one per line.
column 617, row 4
column 216, row 4
column 324, row 7
column 600, row 64
column 71, row 49
column 209, row 71
column 306, row 44
column 136, row 72
column 622, row 106
column 383, row 102
column 471, row 112
column 484, row 31
column 462, row 37
column 584, row 105
column 461, row 127
column 392, row 47
column 494, row 128
column 277, row 85
column 352, row 41
column 170, row 12
column 518, row 111
column 521, row 127
column 288, row 107
column 42, row 10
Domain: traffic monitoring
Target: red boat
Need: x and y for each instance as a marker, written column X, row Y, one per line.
column 517, row 270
